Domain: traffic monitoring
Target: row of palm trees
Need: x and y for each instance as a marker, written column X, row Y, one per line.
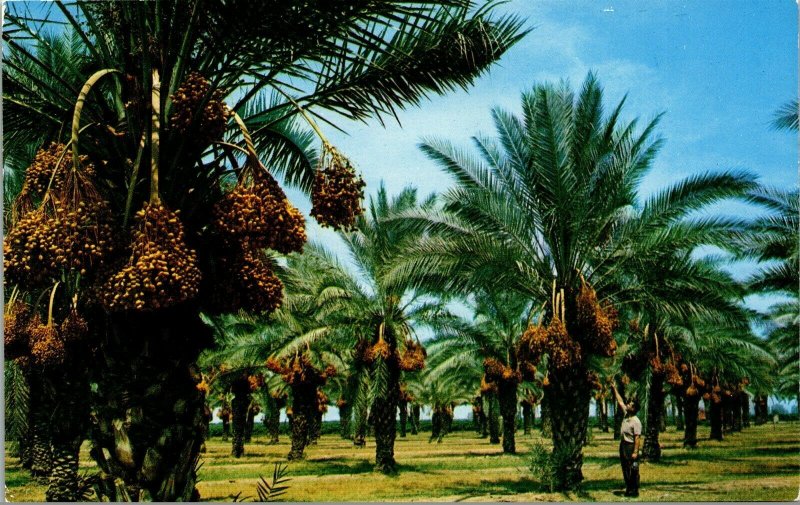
column 544, row 232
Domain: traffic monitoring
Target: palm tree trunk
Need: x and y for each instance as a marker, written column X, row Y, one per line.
column 716, row 420
column 526, row 417
column 304, row 407
column 360, row 429
column 70, row 388
column 691, row 410
column 547, row 425
column 662, row 425
column 655, row 410
column 272, row 418
column 240, row 407
column 384, row 412
column 251, row 420
column 602, row 412
column 149, row 414
column 448, row 421
column 484, row 420
column 415, row 411
column 508, row 409
column 63, row 486
column 745, row 406
column 736, row 407
column 41, row 455
column 569, row 396
column 403, row 404
column 436, row 425
column 226, row 428
column 494, row 419
column 679, row 412
column 345, row 413
column 761, row 409
column 315, row 427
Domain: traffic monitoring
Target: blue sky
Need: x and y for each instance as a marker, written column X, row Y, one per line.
column 718, row 69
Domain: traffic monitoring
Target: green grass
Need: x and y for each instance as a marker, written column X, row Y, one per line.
column 760, row 463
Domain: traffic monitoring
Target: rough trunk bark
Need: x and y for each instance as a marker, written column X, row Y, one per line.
column 745, row 406
column 691, row 410
column 360, row 428
column 655, row 409
column 526, row 418
column 736, row 407
column 602, row 409
column 251, row 420
column 384, row 412
column 304, row 406
column 70, row 387
column 345, row 412
column 315, row 427
column 226, row 429
column 494, row 419
column 568, row 398
column 679, row 412
column 272, row 418
column 239, row 407
column 415, row 411
column 508, row 410
column 148, row 411
column 547, row 421
column 662, row 424
column 484, row 420
column 403, row 405
column 761, row 409
column 41, row 455
column 63, row 485
column 727, row 414
column 716, row 420
column 436, row 426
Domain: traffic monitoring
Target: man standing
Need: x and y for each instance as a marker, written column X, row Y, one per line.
column 630, row 442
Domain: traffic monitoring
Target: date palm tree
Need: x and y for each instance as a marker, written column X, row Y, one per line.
column 492, row 336
column 541, row 211
column 378, row 319
column 165, row 71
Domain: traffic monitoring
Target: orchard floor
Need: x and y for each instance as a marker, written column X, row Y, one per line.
column 760, row 463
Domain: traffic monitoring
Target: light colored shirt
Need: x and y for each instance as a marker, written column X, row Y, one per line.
column 631, row 426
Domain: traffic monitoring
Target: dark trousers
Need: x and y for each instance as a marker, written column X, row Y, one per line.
column 630, row 468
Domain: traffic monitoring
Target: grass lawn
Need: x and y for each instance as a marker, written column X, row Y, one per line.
column 760, row 463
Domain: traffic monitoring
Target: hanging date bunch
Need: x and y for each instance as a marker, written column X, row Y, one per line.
column 74, row 327
column 533, row 344
column 162, row 270
column 47, row 346
column 673, row 376
column 322, row 401
column 16, row 319
column 255, row 382
column 496, row 372
column 337, row 191
column 248, row 282
column 257, row 214
column 596, row 321
column 198, row 110
column 413, row 358
column 563, row 350
column 299, row 370
column 381, row 350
